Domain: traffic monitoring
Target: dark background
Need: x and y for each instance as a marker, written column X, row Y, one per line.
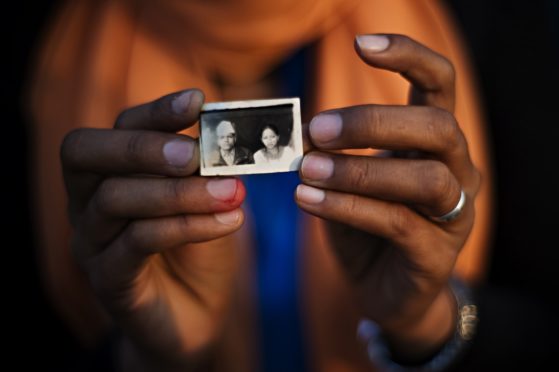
column 515, row 48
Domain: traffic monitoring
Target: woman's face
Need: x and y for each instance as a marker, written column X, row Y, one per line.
column 269, row 138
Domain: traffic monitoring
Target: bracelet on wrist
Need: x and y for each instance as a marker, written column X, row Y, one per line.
column 379, row 354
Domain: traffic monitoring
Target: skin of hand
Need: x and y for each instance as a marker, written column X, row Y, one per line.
column 377, row 207
column 146, row 230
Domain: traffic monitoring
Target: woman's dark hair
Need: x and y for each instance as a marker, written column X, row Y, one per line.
column 269, row 126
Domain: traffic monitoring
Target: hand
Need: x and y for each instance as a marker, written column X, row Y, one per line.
column 379, row 206
column 137, row 208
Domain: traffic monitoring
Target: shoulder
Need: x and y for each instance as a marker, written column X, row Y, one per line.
column 287, row 153
column 214, row 158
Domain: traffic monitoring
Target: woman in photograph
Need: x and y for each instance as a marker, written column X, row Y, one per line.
column 272, row 151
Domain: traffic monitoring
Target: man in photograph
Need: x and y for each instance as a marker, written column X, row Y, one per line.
column 229, row 153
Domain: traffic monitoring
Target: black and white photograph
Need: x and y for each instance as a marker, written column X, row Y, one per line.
column 248, row 137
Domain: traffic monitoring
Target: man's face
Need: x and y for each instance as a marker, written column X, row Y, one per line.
column 226, row 136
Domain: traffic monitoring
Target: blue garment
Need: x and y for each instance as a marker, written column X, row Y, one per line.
column 276, row 219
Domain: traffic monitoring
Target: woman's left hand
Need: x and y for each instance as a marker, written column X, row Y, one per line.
column 379, row 207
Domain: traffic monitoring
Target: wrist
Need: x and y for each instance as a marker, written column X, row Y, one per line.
column 441, row 357
column 417, row 340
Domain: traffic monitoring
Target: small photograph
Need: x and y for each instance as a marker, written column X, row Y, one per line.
column 249, row 137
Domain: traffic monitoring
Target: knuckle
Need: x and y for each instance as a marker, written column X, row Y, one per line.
column 360, row 174
column 177, row 191
column 70, row 146
column 401, row 223
column 353, row 206
column 447, row 128
column 188, row 230
column 186, row 226
column 134, row 238
column 107, row 197
column 158, row 109
column 476, row 180
column 122, row 119
column 447, row 72
column 374, row 117
column 135, row 147
column 438, row 184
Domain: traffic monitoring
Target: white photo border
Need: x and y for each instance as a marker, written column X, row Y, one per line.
column 241, row 169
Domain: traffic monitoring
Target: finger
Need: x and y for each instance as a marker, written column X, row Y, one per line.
column 106, row 151
column 118, row 200
column 307, row 144
column 170, row 113
column 393, row 221
column 427, row 247
column 88, row 153
column 79, row 188
column 427, row 129
column 134, row 198
column 427, row 185
column 118, row 265
column 432, row 76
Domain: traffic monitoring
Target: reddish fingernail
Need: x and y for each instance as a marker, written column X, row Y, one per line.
column 325, row 127
column 222, row 189
column 310, row 195
column 178, row 152
column 373, row 43
column 229, row 218
column 317, row 167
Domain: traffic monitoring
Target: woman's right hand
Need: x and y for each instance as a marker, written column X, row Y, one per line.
column 137, row 211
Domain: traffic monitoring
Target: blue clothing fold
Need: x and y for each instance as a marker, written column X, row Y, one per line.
column 277, row 219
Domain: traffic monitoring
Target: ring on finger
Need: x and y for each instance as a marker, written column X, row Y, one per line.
column 455, row 212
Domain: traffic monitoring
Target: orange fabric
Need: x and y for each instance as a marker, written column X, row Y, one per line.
column 100, row 57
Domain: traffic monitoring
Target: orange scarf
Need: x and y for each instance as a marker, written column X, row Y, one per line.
column 99, row 57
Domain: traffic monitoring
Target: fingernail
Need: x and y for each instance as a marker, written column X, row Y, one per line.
column 310, row 195
column 373, row 43
column 222, row 189
column 228, row 218
column 316, row 167
column 178, row 152
column 183, row 101
column 325, row 127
